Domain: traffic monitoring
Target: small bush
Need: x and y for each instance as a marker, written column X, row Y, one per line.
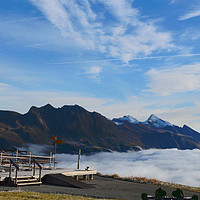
column 116, row 176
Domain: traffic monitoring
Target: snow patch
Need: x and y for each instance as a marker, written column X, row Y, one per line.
column 121, row 120
column 157, row 122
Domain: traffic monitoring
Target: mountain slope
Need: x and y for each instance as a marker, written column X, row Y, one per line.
column 76, row 126
column 89, row 131
column 159, row 138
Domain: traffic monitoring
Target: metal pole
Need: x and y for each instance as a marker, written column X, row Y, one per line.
column 79, row 156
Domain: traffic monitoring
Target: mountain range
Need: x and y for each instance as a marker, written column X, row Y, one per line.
column 90, row 131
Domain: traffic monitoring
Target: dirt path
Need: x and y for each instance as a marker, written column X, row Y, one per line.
column 104, row 188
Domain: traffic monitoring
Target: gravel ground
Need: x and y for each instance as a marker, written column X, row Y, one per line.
column 104, row 188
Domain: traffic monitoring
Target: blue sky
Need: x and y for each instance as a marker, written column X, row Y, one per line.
column 116, row 57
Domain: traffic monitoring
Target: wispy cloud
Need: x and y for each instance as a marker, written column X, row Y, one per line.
column 172, row 1
column 93, row 72
column 181, row 167
column 165, row 82
column 135, row 58
column 34, row 34
column 37, row 45
column 126, row 36
column 86, row 61
column 192, row 13
column 191, row 33
column 59, row 17
column 20, row 100
column 4, row 85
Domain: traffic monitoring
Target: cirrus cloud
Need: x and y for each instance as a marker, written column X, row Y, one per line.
column 4, row 85
column 93, row 72
column 125, row 35
column 195, row 12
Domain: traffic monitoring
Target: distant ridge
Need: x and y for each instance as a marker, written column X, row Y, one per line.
column 91, row 131
column 155, row 122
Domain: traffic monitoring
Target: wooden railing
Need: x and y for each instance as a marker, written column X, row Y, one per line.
column 10, row 170
column 40, row 168
column 24, row 158
column 12, row 163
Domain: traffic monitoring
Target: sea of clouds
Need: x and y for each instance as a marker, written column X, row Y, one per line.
column 170, row 165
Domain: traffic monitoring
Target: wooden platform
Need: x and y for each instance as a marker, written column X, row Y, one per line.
column 16, row 168
column 67, row 172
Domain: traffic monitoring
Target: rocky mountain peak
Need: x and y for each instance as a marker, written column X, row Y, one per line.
column 157, row 122
column 128, row 118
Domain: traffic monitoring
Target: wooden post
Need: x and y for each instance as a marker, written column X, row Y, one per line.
column 51, row 154
column 91, row 177
column 16, row 176
column 10, row 170
column 29, row 160
column 1, row 160
column 55, row 156
column 79, row 156
column 56, row 141
column 34, row 167
column 55, row 138
column 85, row 177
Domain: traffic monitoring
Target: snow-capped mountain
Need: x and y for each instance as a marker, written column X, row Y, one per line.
column 153, row 120
column 121, row 120
column 157, row 122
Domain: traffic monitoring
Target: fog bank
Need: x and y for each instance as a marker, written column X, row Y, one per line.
column 170, row 165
